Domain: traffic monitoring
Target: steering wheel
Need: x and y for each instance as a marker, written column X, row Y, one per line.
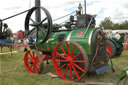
column 38, row 31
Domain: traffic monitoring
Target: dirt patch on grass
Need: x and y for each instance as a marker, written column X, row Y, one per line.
column 8, row 52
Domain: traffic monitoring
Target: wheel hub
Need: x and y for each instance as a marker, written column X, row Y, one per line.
column 70, row 59
column 31, row 62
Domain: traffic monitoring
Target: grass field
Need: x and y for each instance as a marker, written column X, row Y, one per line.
column 13, row 72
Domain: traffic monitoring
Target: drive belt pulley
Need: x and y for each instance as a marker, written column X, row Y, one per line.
column 38, row 32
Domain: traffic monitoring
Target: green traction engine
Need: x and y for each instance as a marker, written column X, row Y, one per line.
column 115, row 46
column 75, row 50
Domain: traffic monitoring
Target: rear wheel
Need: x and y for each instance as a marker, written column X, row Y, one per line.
column 33, row 62
column 111, row 48
column 70, row 61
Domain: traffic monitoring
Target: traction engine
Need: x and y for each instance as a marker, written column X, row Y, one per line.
column 78, row 49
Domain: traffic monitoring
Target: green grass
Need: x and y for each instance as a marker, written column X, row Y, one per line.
column 13, row 72
column 6, row 49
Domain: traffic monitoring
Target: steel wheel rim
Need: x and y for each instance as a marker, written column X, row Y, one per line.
column 109, row 50
column 49, row 24
column 72, row 66
column 32, row 62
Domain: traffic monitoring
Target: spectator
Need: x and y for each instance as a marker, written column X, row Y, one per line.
column 126, row 37
column 117, row 36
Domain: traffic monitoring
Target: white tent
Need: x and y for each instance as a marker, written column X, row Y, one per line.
column 120, row 31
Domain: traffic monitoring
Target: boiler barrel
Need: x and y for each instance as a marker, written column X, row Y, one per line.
column 83, row 37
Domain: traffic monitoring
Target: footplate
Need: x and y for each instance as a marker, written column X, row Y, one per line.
column 102, row 69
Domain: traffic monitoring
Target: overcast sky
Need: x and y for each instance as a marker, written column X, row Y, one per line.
column 116, row 9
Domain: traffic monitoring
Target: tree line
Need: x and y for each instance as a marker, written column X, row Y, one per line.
column 107, row 23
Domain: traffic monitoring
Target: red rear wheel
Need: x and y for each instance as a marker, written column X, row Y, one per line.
column 70, row 61
column 33, row 62
column 109, row 49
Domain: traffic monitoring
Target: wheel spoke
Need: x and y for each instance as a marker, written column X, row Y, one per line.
column 66, row 71
column 37, row 69
column 109, row 49
column 79, row 61
column 67, row 45
column 31, row 31
column 38, row 66
column 32, row 20
column 43, row 20
column 77, row 55
column 61, row 55
column 71, row 71
column 61, row 60
column 63, row 50
column 30, row 54
column 73, row 50
column 76, row 72
column 37, row 59
column 33, row 53
column 62, row 66
column 34, row 68
column 79, row 67
column 43, row 31
column 30, row 59
column 31, row 66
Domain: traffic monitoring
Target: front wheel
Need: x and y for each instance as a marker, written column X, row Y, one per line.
column 33, row 61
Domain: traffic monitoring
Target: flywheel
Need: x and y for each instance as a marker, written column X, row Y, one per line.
column 38, row 25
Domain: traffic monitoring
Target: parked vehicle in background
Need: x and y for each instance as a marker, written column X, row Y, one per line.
column 115, row 42
column 18, row 37
column 125, row 44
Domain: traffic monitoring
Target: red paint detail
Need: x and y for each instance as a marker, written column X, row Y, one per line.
column 73, row 50
column 63, row 50
column 46, row 57
column 67, row 45
column 80, row 34
column 18, row 35
column 77, row 12
column 79, row 61
column 60, row 55
column 60, row 60
column 31, row 62
column 76, row 72
column 66, row 71
column 70, row 64
column 62, row 66
column 109, row 50
column 77, row 55
column 71, row 71
column 79, row 67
